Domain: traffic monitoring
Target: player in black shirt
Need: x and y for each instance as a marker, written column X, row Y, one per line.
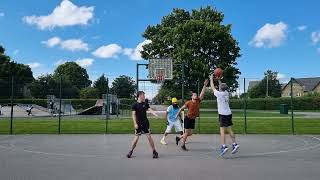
column 141, row 123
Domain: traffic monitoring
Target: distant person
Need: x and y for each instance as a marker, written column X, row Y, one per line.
column 0, row 109
column 51, row 107
column 29, row 110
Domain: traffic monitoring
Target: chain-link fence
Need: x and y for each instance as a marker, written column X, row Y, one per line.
column 282, row 106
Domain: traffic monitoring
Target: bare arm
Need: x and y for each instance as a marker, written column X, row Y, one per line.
column 181, row 109
column 152, row 112
column 212, row 83
column 134, row 119
column 203, row 89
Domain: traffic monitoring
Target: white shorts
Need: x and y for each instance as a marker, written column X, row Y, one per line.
column 176, row 124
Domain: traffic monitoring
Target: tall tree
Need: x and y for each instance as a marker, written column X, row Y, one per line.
column 270, row 80
column 197, row 39
column 123, row 87
column 22, row 75
column 74, row 73
column 101, row 84
column 47, row 85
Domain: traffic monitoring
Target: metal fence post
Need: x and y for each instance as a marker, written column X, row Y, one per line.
column 11, row 116
column 292, row 119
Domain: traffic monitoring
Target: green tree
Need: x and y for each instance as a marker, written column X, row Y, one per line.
column 22, row 75
column 89, row 93
column 101, row 84
column 199, row 40
column 74, row 73
column 123, row 87
column 47, row 85
column 270, row 80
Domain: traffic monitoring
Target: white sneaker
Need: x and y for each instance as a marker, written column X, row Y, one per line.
column 163, row 142
column 235, row 148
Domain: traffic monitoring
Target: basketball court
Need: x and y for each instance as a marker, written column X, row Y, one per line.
column 77, row 157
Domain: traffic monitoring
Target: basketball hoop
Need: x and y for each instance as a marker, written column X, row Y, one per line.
column 160, row 79
column 160, row 69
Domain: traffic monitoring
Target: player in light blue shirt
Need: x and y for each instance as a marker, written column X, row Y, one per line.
column 172, row 120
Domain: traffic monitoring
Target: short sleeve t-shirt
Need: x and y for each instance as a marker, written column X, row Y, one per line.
column 193, row 108
column 223, row 102
column 172, row 113
column 141, row 111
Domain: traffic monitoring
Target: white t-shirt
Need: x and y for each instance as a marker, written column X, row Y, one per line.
column 223, row 102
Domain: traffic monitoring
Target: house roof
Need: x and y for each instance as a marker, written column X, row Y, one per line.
column 308, row 84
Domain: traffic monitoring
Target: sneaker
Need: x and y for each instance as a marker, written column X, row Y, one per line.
column 163, row 142
column 129, row 154
column 155, row 155
column 177, row 140
column 184, row 148
column 224, row 149
column 235, row 148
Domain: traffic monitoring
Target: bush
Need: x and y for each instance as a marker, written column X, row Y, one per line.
column 89, row 93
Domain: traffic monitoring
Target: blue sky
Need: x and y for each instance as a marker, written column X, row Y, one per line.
column 105, row 36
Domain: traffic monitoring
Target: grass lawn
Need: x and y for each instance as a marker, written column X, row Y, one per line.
column 262, row 125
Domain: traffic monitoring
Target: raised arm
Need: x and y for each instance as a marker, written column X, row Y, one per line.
column 203, row 89
column 212, row 83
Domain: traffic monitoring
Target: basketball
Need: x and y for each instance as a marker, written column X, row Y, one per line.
column 218, row 72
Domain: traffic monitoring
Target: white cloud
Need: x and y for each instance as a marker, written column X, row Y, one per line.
column 108, row 51
column 135, row 54
column 281, row 76
column 52, row 42
column 302, row 28
column 74, row 45
column 1, row 14
column 34, row 65
column 69, row 44
column 66, row 14
column 315, row 37
column 59, row 62
column 86, row 62
column 270, row 35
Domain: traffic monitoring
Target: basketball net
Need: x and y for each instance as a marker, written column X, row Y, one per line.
column 160, row 78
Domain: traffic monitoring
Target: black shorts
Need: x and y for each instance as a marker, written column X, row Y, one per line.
column 225, row 120
column 189, row 123
column 143, row 128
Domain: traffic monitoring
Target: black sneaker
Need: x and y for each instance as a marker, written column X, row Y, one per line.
column 177, row 140
column 155, row 155
column 129, row 154
column 184, row 148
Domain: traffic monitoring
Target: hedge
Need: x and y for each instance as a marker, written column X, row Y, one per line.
column 300, row 103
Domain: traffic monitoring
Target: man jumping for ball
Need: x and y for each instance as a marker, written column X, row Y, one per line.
column 225, row 116
column 193, row 107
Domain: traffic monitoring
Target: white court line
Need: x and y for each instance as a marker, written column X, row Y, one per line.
column 102, row 156
column 284, row 151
